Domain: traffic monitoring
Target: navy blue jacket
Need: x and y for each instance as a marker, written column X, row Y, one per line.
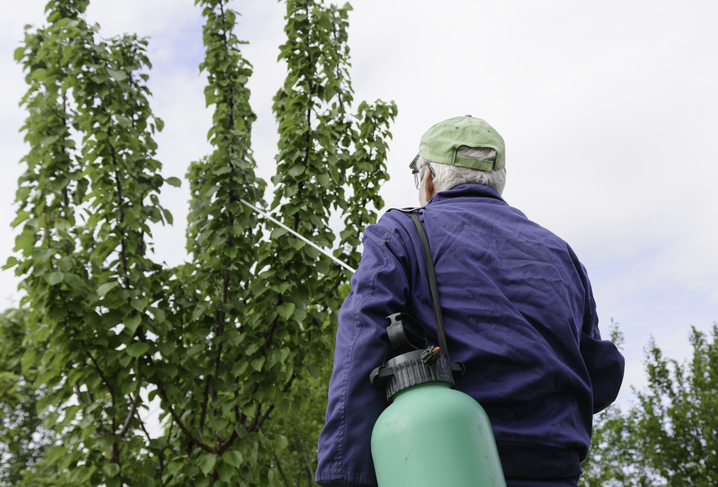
column 518, row 312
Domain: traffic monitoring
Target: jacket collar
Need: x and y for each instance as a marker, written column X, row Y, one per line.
column 466, row 190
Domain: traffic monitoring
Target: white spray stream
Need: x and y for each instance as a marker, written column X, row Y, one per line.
column 274, row 220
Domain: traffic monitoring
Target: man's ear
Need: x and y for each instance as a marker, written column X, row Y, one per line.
column 427, row 187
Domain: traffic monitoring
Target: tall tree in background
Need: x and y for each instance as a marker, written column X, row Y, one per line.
column 266, row 299
column 676, row 420
column 23, row 440
column 670, row 436
column 240, row 336
column 85, row 201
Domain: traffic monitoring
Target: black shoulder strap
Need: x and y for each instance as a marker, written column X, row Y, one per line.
column 432, row 284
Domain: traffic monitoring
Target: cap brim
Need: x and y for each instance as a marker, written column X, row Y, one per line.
column 412, row 164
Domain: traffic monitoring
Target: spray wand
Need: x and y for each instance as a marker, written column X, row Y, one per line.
column 274, row 220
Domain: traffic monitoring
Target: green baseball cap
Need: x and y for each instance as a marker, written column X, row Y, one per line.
column 440, row 142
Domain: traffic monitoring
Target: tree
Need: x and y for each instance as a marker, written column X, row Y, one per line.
column 23, row 440
column 84, row 204
column 225, row 339
column 669, row 436
column 677, row 425
column 302, row 424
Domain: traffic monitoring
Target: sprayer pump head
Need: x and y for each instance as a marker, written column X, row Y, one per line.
column 413, row 361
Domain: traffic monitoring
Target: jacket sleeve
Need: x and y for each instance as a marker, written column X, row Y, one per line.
column 604, row 362
column 379, row 288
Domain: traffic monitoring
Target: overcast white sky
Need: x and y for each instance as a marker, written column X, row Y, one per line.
column 607, row 109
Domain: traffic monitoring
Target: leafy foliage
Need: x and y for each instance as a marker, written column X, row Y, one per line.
column 235, row 339
column 670, row 436
column 677, row 426
column 85, row 201
column 23, row 440
column 302, row 423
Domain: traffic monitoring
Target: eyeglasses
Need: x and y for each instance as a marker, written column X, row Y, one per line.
column 419, row 173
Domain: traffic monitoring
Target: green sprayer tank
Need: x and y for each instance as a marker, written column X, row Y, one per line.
column 430, row 435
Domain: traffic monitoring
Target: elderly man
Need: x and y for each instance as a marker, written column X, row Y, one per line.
column 518, row 312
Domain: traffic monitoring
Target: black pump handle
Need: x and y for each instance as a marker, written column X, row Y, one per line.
column 405, row 334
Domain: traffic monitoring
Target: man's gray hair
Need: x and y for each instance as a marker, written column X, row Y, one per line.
column 447, row 176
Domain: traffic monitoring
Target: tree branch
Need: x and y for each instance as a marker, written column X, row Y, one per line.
column 222, row 447
column 279, row 467
column 179, row 422
column 78, row 393
column 205, row 401
column 133, row 408
column 257, row 422
column 121, row 206
column 255, row 417
column 99, row 371
column 309, row 470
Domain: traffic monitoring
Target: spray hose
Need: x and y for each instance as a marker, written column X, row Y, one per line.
column 274, row 220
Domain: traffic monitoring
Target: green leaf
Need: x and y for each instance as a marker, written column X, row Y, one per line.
column 166, row 349
column 281, row 442
column 111, row 469
column 139, row 303
column 133, row 322
column 55, row 453
column 168, row 216
column 158, row 313
column 39, row 74
column 103, row 289
column 174, row 467
column 25, row 240
column 54, row 278
column 221, row 170
column 206, row 462
column 239, row 368
column 324, row 179
column 46, row 377
column 273, row 479
column 124, row 121
column 19, row 53
column 170, row 370
column 295, row 170
column 128, row 387
column 173, row 181
column 105, row 441
column 278, row 232
column 28, row 358
column 93, row 380
column 285, row 310
column 145, row 482
column 137, row 349
column 257, row 363
column 49, row 140
column 73, row 280
column 50, row 420
column 233, row 458
column 11, row 262
column 83, row 474
column 117, row 75
column 225, row 472
column 314, row 371
column 299, row 314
